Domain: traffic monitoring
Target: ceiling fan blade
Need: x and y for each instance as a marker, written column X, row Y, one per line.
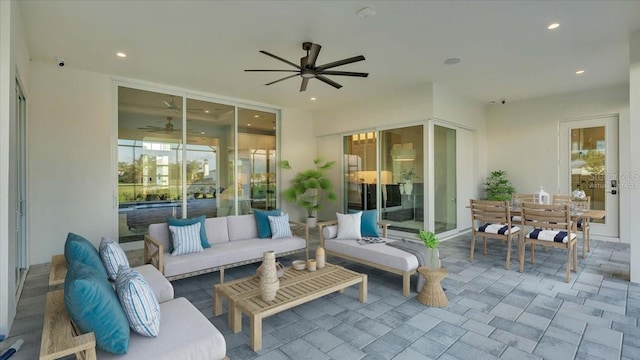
column 328, row 81
column 344, row 73
column 303, row 62
column 313, row 55
column 303, row 86
column 276, row 70
column 340, row 62
column 279, row 58
column 284, row 78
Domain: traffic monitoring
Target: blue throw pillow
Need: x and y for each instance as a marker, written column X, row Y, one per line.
column 368, row 223
column 262, row 222
column 186, row 222
column 93, row 306
column 79, row 249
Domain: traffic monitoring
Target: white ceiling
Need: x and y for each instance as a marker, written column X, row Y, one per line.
column 505, row 47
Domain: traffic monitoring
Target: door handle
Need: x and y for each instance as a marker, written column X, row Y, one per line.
column 612, row 192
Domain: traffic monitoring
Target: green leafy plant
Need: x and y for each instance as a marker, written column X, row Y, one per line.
column 408, row 175
column 308, row 186
column 429, row 239
column 498, row 187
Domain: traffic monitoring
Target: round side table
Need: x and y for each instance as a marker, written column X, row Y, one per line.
column 432, row 293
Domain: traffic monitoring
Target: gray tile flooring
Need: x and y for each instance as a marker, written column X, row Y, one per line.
column 493, row 313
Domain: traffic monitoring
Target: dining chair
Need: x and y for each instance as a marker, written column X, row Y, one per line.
column 493, row 219
column 582, row 223
column 552, row 226
column 518, row 199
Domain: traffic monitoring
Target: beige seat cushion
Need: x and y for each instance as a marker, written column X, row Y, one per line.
column 160, row 285
column 381, row 254
column 184, row 334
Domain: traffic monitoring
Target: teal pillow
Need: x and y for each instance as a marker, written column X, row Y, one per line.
column 94, row 307
column 262, row 222
column 186, row 222
column 79, row 249
column 368, row 223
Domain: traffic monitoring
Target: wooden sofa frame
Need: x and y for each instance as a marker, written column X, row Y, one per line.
column 406, row 275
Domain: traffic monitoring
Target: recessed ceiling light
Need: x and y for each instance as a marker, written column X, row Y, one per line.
column 248, row 124
column 256, row 116
column 366, row 12
column 202, row 133
column 121, row 54
column 553, row 26
column 452, row 61
column 313, row 99
column 207, row 111
column 579, row 72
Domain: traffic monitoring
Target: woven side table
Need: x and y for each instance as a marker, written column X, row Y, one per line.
column 432, row 293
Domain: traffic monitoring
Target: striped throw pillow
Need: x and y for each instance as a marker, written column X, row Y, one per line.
column 186, row 239
column 280, row 226
column 112, row 257
column 139, row 302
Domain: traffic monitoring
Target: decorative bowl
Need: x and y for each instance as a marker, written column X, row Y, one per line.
column 299, row 264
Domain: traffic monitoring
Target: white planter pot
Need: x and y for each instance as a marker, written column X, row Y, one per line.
column 311, row 222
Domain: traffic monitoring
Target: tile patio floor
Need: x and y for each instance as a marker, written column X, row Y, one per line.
column 493, row 313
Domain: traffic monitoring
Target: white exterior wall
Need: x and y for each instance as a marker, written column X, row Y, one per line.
column 523, row 139
column 13, row 64
column 633, row 207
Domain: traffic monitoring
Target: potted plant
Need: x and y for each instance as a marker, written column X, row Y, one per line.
column 431, row 241
column 498, row 187
column 308, row 186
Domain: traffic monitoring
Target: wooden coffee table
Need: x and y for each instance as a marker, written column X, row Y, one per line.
column 296, row 288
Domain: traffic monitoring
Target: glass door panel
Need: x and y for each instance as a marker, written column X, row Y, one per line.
column 149, row 160
column 361, row 178
column 256, row 165
column 444, row 155
column 402, row 177
column 208, row 127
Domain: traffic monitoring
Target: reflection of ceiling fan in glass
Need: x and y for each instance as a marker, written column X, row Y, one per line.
column 167, row 129
column 171, row 105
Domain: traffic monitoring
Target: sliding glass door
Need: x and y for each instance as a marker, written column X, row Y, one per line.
column 444, row 179
column 180, row 156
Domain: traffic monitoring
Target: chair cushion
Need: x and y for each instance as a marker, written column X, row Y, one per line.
column 550, row 235
column 93, row 306
column 378, row 253
column 186, row 239
column 112, row 257
column 204, row 242
column 499, row 229
column 349, row 225
column 79, row 249
column 330, row 232
column 160, row 285
column 280, row 226
column 262, row 221
column 138, row 302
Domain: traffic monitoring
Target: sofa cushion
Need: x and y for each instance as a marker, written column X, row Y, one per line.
column 204, row 242
column 232, row 252
column 160, row 285
column 242, row 227
column 280, row 226
column 330, row 232
column 138, row 302
column 79, row 249
column 217, row 230
column 377, row 253
column 185, row 239
column 262, row 221
column 92, row 304
column 184, row 334
column 112, row 257
column 349, row 225
column 369, row 223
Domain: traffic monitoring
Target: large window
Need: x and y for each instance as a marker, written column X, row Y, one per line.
column 177, row 157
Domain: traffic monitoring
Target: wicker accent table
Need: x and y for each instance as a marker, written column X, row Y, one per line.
column 432, row 293
column 296, row 288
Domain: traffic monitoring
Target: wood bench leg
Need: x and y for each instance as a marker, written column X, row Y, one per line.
column 235, row 317
column 363, row 289
column 406, row 283
column 217, row 301
column 222, row 275
column 256, row 333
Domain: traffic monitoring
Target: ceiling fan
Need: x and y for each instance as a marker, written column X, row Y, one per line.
column 168, row 128
column 308, row 69
column 173, row 106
